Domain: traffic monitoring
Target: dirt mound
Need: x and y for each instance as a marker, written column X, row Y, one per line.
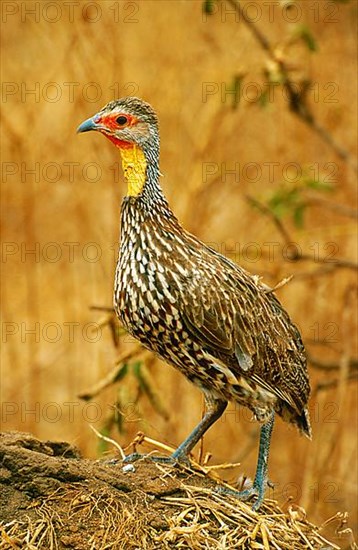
column 51, row 498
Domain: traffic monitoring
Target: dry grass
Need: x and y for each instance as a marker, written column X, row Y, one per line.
column 199, row 520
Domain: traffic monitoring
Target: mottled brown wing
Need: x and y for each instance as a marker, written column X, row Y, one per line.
column 205, row 313
column 221, row 316
column 228, row 313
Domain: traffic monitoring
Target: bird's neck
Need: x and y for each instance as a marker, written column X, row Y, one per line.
column 144, row 193
column 141, row 171
column 134, row 164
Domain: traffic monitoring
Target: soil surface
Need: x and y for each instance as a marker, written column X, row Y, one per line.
column 52, row 498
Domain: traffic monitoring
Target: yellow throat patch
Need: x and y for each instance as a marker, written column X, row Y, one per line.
column 134, row 167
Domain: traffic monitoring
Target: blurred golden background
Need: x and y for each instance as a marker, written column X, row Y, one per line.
column 241, row 169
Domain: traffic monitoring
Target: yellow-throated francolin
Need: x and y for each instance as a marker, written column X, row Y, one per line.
column 199, row 311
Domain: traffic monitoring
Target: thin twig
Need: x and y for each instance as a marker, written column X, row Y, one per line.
column 329, row 205
column 323, row 386
column 320, row 365
column 336, row 262
column 275, row 219
column 280, row 284
column 138, row 352
column 158, row 444
column 102, row 308
column 109, row 440
column 226, row 466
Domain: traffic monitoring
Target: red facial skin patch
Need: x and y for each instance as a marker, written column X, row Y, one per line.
column 110, row 122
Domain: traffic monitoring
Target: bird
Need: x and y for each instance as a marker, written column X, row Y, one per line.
column 219, row 325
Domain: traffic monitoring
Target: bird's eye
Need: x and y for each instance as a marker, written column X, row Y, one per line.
column 122, row 120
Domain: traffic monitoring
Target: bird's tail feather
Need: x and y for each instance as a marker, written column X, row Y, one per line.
column 304, row 423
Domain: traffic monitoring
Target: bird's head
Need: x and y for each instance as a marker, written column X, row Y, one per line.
column 132, row 125
column 125, row 122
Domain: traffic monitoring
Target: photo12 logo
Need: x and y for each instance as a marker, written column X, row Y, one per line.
column 51, row 332
column 286, row 11
column 52, row 412
column 68, row 11
column 69, row 91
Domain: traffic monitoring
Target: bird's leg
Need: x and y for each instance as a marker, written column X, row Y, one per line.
column 214, row 409
column 258, row 486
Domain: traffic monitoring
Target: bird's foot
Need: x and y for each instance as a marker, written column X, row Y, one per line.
column 176, row 459
column 133, row 457
column 129, row 459
column 256, row 490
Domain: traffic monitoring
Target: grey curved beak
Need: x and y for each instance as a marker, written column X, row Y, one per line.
column 87, row 125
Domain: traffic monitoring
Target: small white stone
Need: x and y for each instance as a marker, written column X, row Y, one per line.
column 128, row 468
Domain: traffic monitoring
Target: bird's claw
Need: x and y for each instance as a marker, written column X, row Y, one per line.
column 174, row 460
column 246, row 494
column 133, row 457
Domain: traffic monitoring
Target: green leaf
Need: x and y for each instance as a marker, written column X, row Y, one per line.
column 121, row 373
column 319, row 185
column 298, row 214
column 283, row 200
column 136, row 367
column 278, row 208
column 147, row 388
column 208, row 6
column 263, row 99
column 303, row 32
column 234, row 90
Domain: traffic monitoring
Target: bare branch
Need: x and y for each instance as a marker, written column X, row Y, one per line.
column 137, row 352
column 297, row 99
column 268, row 212
column 329, row 205
column 322, row 386
column 109, row 440
column 296, row 255
column 321, row 365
